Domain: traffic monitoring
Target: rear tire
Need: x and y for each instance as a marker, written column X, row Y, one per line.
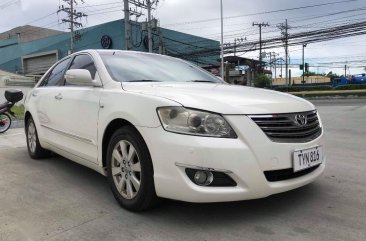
column 5, row 122
column 130, row 170
column 35, row 149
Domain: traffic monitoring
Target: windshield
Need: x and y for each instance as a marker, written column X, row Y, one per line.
column 136, row 67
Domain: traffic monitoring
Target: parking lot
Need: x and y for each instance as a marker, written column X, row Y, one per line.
column 56, row 199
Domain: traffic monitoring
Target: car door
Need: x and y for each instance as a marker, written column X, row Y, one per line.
column 43, row 100
column 77, row 113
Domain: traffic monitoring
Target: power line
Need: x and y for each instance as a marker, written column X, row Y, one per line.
column 260, row 13
column 251, row 33
column 8, row 4
column 320, row 35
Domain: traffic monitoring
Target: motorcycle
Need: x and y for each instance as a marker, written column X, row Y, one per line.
column 12, row 97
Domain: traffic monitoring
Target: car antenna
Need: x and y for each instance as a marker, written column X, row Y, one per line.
column 114, row 52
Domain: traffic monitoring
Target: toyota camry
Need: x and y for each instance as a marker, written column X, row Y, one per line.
column 158, row 126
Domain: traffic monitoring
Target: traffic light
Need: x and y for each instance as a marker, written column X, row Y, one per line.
column 306, row 67
column 301, row 67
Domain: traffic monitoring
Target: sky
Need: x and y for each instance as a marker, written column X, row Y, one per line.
column 202, row 18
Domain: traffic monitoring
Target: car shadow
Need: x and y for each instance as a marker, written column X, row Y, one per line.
column 95, row 186
column 232, row 212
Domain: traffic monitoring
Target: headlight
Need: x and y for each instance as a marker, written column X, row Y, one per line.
column 194, row 122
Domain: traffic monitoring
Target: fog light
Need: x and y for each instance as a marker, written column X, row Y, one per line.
column 203, row 178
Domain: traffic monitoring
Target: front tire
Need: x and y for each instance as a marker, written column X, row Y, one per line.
column 35, row 149
column 130, row 170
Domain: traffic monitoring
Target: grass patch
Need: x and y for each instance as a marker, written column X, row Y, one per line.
column 18, row 111
column 351, row 87
column 299, row 88
column 303, row 88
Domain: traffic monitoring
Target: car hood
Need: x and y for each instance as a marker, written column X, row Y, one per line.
column 223, row 98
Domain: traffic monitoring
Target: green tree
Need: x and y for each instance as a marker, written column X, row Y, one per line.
column 310, row 73
column 332, row 75
column 262, row 81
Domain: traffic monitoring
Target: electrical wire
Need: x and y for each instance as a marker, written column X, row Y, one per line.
column 261, row 13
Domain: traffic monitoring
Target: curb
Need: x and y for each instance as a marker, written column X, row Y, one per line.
column 331, row 94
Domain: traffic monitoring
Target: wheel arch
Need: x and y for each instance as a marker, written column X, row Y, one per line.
column 109, row 131
column 27, row 115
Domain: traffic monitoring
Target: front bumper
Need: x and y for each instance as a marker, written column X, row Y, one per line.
column 245, row 159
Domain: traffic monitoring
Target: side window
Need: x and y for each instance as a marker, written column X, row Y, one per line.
column 84, row 62
column 56, row 76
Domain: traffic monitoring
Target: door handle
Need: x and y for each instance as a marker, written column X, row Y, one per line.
column 34, row 94
column 58, row 97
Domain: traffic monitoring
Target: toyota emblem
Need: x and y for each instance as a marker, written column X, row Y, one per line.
column 301, row 120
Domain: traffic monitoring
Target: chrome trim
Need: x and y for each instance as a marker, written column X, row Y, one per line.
column 76, row 137
column 262, row 116
column 286, row 113
column 288, row 128
column 202, row 168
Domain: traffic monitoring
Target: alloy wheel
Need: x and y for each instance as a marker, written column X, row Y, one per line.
column 126, row 169
column 32, row 137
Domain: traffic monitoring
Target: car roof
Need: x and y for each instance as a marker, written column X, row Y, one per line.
column 122, row 52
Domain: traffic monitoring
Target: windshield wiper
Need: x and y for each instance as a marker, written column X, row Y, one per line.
column 202, row 81
column 144, row 80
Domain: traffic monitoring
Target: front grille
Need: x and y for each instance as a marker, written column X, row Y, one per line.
column 287, row 127
column 286, row 174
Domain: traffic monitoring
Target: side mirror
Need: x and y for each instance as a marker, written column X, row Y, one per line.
column 81, row 77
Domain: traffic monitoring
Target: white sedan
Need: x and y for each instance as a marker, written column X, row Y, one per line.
column 159, row 126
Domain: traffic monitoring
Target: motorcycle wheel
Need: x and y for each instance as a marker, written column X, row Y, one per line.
column 5, row 122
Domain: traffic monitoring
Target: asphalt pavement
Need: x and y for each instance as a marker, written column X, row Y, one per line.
column 56, row 199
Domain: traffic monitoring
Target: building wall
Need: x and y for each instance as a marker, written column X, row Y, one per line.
column 297, row 80
column 11, row 56
column 176, row 44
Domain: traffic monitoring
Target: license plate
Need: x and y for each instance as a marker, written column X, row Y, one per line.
column 307, row 158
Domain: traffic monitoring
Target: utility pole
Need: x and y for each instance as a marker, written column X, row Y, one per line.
column 72, row 26
column 284, row 31
column 73, row 15
column 303, row 63
column 271, row 54
column 274, row 54
column 260, row 25
column 222, row 40
column 270, row 67
column 286, row 51
column 275, row 66
column 148, row 5
column 149, row 34
column 238, row 40
column 235, row 47
column 127, row 25
column 161, row 42
column 345, row 71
